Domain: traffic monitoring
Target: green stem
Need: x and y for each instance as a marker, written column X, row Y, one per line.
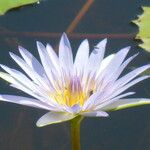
column 75, row 132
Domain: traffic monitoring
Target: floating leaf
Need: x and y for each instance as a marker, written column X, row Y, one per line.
column 143, row 22
column 5, row 5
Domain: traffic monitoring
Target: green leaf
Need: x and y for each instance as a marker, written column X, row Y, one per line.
column 143, row 22
column 5, row 5
column 127, row 103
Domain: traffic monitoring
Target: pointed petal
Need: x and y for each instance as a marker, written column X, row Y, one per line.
column 53, row 56
column 28, row 91
column 23, row 65
column 82, row 54
column 7, row 77
column 124, row 83
column 16, row 84
column 54, row 117
column 18, row 76
column 131, row 75
column 126, row 103
column 111, row 79
column 97, row 55
column 90, row 101
column 47, row 64
column 125, row 87
column 31, row 61
column 41, row 98
column 115, row 63
column 108, row 101
column 105, row 62
column 122, row 67
column 95, row 114
column 29, row 71
column 23, row 83
column 25, row 101
column 22, row 80
column 65, row 54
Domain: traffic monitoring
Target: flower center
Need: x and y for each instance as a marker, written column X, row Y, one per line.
column 72, row 94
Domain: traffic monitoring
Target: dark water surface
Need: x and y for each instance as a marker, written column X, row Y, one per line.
column 124, row 130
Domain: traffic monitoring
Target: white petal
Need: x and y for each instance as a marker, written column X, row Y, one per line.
column 104, row 102
column 122, row 84
column 95, row 114
column 93, row 63
column 90, row 101
column 44, row 58
column 82, row 57
column 28, row 91
column 7, row 77
column 121, row 68
column 116, row 74
column 97, row 55
column 25, row 101
column 23, row 65
column 50, row 102
column 113, row 98
column 23, row 83
column 131, row 75
column 19, row 77
column 126, row 103
column 65, row 54
column 16, row 84
column 114, row 64
column 105, row 62
column 47, row 64
column 31, row 61
column 122, row 89
column 54, row 117
column 53, row 57
column 29, row 71
column 22, row 80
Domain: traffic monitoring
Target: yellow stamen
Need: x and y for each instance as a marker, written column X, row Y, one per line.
column 71, row 95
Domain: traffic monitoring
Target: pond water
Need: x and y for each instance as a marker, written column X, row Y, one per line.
column 124, row 130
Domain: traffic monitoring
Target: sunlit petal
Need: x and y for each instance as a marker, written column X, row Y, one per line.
column 32, row 61
column 97, row 55
column 65, row 54
column 82, row 54
column 25, row 101
column 95, row 114
column 54, row 117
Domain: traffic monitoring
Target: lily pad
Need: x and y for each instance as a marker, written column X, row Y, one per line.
column 143, row 22
column 5, row 5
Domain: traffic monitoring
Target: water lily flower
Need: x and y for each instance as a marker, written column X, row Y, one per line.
column 89, row 85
